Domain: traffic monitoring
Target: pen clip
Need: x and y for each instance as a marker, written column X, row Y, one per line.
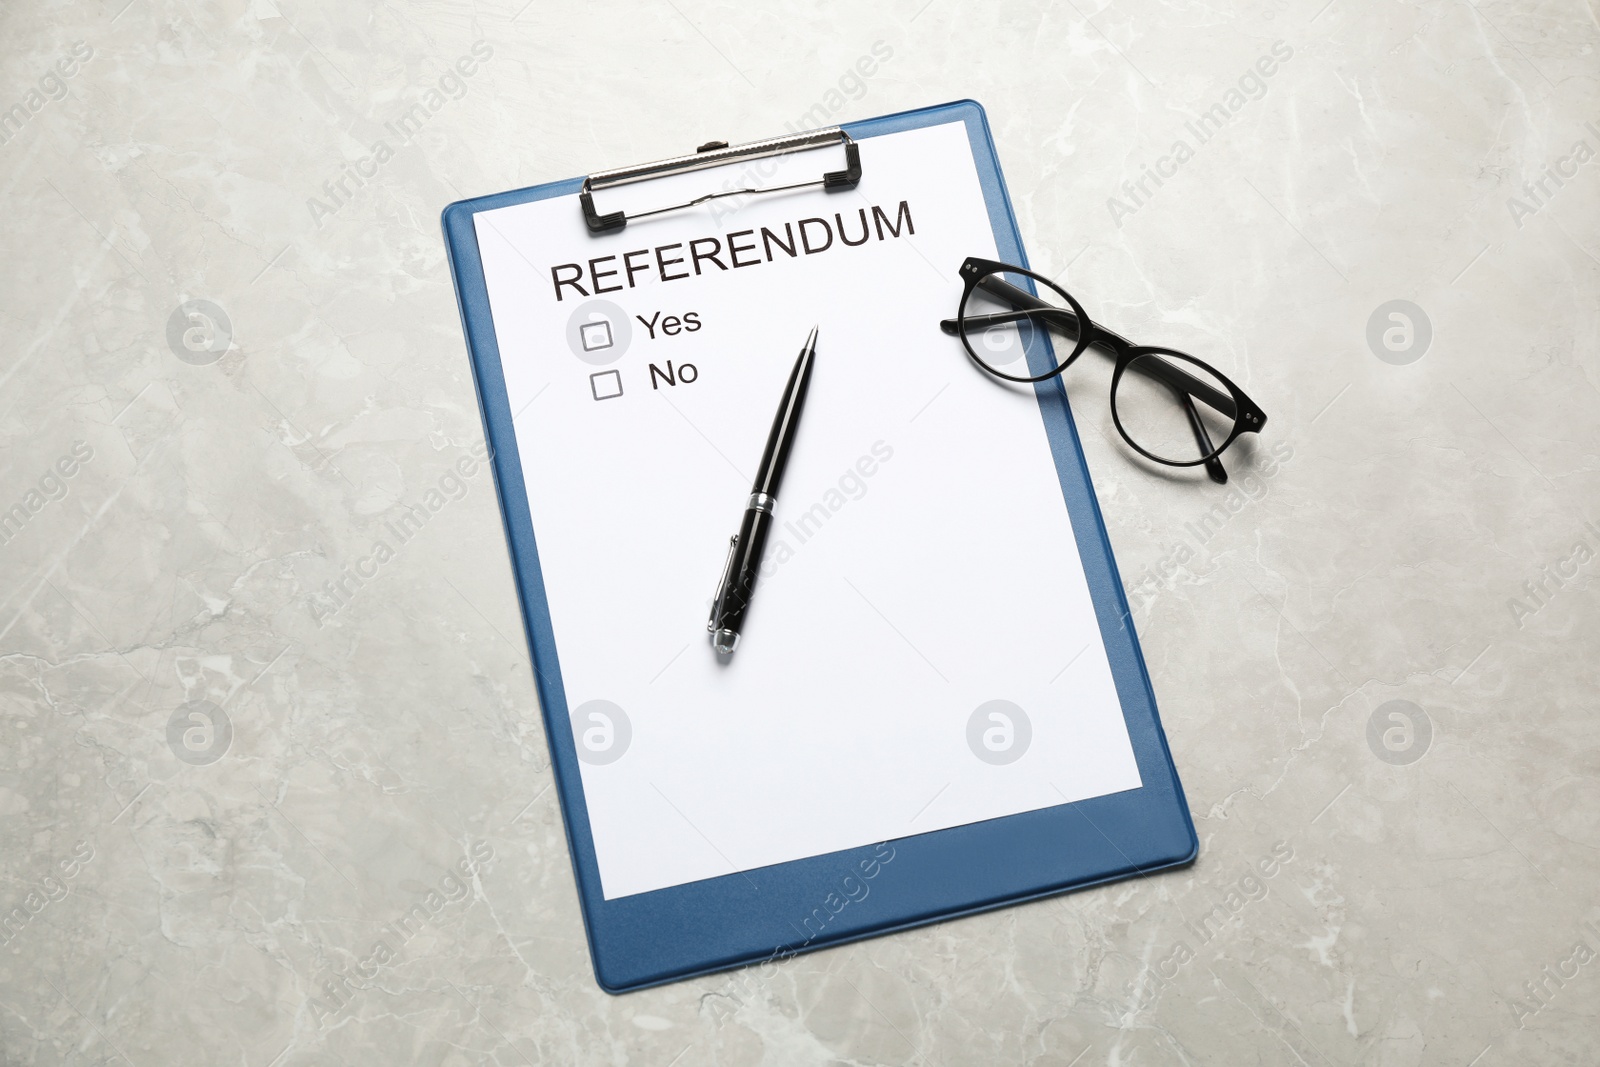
column 715, row 620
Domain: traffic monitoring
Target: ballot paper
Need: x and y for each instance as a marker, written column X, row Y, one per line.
column 921, row 651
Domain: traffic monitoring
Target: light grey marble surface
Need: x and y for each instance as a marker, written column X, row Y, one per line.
column 1423, row 536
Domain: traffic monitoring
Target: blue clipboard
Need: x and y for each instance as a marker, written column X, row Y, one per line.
column 773, row 912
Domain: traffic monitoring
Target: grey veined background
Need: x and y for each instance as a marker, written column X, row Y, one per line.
column 230, row 365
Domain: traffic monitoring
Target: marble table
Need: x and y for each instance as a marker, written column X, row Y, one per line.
column 231, row 355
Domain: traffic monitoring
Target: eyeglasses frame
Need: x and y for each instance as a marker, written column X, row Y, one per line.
column 1247, row 415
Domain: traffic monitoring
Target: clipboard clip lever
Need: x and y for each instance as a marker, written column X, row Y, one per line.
column 716, row 154
column 722, row 587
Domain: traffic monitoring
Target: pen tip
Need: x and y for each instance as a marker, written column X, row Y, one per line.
column 811, row 339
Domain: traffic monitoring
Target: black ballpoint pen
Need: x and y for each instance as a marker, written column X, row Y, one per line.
column 745, row 548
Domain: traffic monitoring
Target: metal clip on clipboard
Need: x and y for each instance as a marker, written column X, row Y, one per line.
column 715, row 154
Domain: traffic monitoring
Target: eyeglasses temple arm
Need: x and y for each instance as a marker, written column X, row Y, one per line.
column 1022, row 298
column 1214, row 467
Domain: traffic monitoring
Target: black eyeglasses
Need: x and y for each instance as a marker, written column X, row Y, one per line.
column 1171, row 408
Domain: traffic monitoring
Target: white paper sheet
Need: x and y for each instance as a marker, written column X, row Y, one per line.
column 896, row 603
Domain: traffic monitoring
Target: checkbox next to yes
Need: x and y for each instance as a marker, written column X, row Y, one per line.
column 606, row 384
column 595, row 335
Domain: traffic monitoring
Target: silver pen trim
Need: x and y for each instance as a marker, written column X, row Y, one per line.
column 722, row 586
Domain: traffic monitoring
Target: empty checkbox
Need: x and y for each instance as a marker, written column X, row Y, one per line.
column 606, row 384
column 596, row 335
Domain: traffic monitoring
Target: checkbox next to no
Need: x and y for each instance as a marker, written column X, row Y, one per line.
column 605, row 384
